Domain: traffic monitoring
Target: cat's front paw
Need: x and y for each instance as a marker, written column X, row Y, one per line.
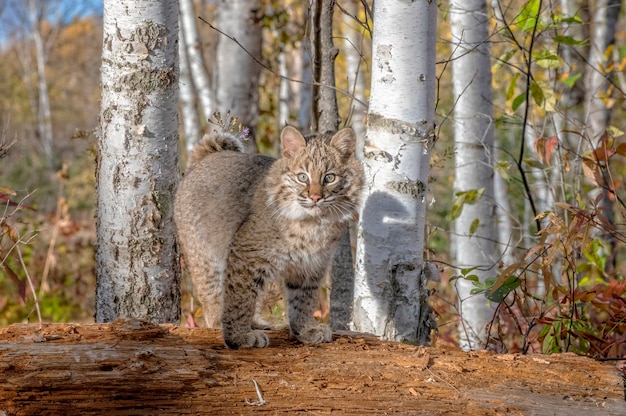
column 247, row 340
column 315, row 334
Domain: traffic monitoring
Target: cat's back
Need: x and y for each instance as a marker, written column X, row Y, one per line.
column 215, row 195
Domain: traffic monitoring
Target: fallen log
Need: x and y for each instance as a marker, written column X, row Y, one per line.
column 131, row 367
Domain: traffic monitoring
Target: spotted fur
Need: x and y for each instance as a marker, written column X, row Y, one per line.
column 245, row 220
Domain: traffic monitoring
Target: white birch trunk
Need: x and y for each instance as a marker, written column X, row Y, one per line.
column 390, row 294
column 473, row 135
column 44, row 115
column 197, row 67
column 138, row 270
column 236, row 78
column 604, row 20
column 305, row 109
column 187, row 94
column 284, row 112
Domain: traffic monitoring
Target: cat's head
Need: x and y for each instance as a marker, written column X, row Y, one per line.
column 319, row 176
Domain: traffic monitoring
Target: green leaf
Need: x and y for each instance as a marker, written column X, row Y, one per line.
column 474, row 226
column 527, row 18
column 543, row 95
column 559, row 18
column 547, row 59
column 518, row 101
column 464, row 197
column 568, row 40
column 502, row 168
column 571, row 80
column 510, row 90
column 502, row 287
column 472, row 278
column 467, row 270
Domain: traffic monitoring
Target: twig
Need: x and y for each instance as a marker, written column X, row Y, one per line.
column 30, row 283
column 261, row 400
column 269, row 69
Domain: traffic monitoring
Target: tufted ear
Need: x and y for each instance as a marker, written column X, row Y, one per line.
column 345, row 141
column 291, row 140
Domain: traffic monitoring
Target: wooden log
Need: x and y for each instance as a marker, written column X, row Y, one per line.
column 135, row 368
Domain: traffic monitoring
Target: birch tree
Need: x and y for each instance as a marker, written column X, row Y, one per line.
column 353, row 46
column 197, row 68
column 390, row 293
column 236, row 75
column 597, row 109
column 138, row 271
column 475, row 229
column 188, row 96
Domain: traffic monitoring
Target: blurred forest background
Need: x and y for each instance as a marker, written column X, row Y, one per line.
column 49, row 107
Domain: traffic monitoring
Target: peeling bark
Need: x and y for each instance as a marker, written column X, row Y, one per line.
column 390, row 295
column 138, row 271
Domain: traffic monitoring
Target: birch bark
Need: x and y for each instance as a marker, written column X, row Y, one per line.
column 188, row 96
column 390, row 293
column 236, row 79
column 138, row 271
column 475, row 229
column 197, row 67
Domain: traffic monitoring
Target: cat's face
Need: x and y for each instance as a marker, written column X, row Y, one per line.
column 321, row 178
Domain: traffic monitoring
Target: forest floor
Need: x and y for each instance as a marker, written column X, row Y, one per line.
column 134, row 368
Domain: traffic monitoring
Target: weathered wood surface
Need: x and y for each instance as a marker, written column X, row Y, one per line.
column 134, row 368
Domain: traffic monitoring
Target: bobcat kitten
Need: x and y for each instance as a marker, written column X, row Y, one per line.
column 246, row 219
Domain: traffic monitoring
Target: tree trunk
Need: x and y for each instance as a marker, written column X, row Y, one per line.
column 236, row 78
column 325, row 106
column 188, row 96
column 134, row 368
column 138, row 270
column 305, row 108
column 199, row 72
column 353, row 51
column 475, row 228
column 391, row 297
column 598, row 112
column 326, row 119
column 604, row 22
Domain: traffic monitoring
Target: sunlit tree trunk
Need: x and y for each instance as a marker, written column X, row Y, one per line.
column 475, row 229
column 197, row 67
column 236, row 78
column 390, row 293
column 598, row 73
column 604, row 23
column 305, row 108
column 137, row 265
column 187, row 92
column 284, row 112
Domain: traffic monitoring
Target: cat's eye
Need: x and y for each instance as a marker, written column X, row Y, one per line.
column 329, row 178
column 302, row 177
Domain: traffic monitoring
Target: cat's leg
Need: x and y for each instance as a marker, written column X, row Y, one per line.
column 241, row 291
column 207, row 276
column 303, row 301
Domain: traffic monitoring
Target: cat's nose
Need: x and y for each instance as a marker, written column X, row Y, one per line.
column 315, row 198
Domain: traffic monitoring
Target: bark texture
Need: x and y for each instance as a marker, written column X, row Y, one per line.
column 138, row 270
column 236, row 78
column 475, row 230
column 326, row 119
column 325, row 109
column 133, row 368
column 187, row 94
column 391, row 297
column 198, row 70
